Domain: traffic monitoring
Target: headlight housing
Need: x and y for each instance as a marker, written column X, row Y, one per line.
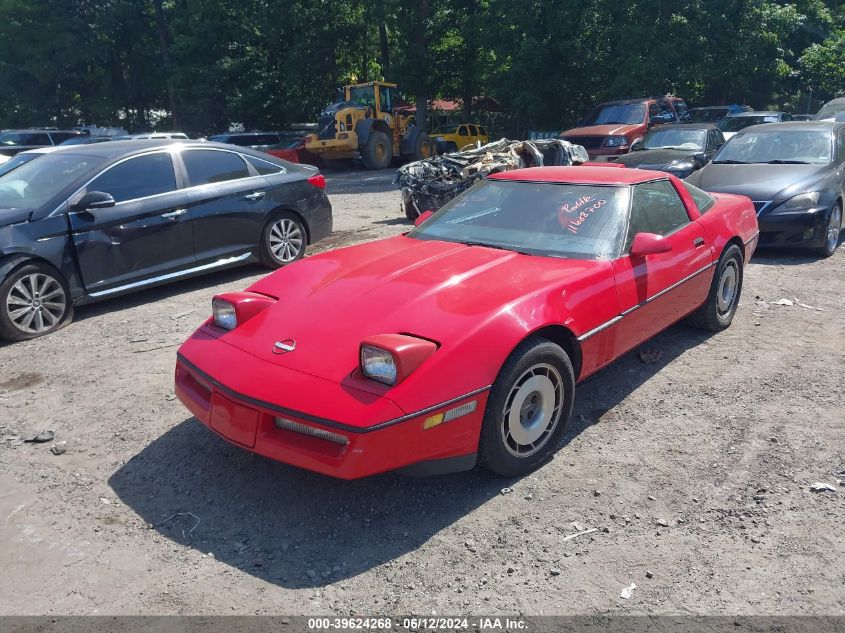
column 681, row 165
column 800, row 202
column 224, row 314
column 378, row 364
column 615, row 141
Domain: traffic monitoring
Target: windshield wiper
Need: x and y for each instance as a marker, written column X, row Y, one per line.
column 731, row 162
column 500, row 247
column 780, row 161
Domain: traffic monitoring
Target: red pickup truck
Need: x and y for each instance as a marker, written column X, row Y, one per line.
column 609, row 128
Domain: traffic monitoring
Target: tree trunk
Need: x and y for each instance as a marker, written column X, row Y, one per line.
column 420, row 57
column 385, row 48
column 164, row 43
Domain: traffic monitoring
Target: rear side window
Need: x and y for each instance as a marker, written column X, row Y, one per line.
column 137, row 178
column 473, row 131
column 24, row 138
column 703, row 200
column 208, row 166
column 482, row 131
column 656, row 208
column 462, row 131
column 263, row 167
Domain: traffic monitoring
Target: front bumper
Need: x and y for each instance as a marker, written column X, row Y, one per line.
column 801, row 229
column 345, row 145
column 321, row 445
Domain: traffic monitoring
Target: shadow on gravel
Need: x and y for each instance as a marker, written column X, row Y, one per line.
column 298, row 529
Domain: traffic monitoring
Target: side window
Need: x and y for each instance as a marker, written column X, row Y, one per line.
column 263, row 167
column 60, row 137
column 473, row 131
column 482, row 131
column 137, row 178
column 656, row 208
column 206, row 166
column 653, row 110
column 703, row 200
column 384, row 98
column 681, row 107
column 841, row 142
column 462, row 131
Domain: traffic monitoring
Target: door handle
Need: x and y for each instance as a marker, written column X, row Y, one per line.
column 254, row 196
column 172, row 215
column 698, row 242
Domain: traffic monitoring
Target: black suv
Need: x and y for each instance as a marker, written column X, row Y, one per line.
column 88, row 222
column 14, row 141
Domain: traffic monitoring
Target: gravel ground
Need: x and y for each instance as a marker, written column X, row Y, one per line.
column 689, row 476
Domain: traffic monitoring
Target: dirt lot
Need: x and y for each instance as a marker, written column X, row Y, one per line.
column 694, row 469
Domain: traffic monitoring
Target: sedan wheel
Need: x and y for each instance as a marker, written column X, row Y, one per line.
column 834, row 227
column 718, row 309
column 34, row 301
column 528, row 408
column 284, row 241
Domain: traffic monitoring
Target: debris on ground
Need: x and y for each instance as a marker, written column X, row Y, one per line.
column 628, row 591
column 649, row 574
column 58, row 449
column 41, row 438
column 821, row 486
column 783, row 302
column 649, row 356
column 428, row 184
column 569, row 537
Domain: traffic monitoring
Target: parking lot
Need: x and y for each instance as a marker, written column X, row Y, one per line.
column 687, row 467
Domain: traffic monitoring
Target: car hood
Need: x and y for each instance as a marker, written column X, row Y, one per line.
column 615, row 129
column 655, row 156
column 14, row 216
column 437, row 290
column 758, row 182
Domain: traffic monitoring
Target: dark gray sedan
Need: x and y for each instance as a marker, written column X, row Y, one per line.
column 90, row 222
column 678, row 149
column 795, row 174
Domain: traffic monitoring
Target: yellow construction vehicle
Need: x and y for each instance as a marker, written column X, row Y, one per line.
column 365, row 122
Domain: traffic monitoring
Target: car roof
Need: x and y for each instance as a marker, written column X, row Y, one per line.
column 586, row 175
column 686, row 126
column 755, row 113
column 118, row 149
column 49, row 149
column 796, row 125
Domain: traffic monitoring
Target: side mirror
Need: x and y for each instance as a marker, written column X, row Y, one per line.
column 649, row 244
column 422, row 217
column 700, row 158
column 637, row 145
column 94, row 200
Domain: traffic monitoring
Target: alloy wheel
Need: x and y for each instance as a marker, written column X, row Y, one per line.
column 36, row 303
column 833, row 229
column 532, row 410
column 286, row 240
column 728, row 286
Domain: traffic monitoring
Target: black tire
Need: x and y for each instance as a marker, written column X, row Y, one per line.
column 410, row 210
column 719, row 308
column 283, row 240
column 423, row 147
column 834, row 228
column 377, row 153
column 47, row 308
column 499, row 445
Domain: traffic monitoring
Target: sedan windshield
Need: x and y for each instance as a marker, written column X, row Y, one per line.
column 550, row 219
column 16, row 161
column 778, row 146
column 33, row 184
column 736, row 123
column 622, row 113
column 675, row 138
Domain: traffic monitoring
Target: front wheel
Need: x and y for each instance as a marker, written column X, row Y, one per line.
column 378, row 151
column 283, row 240
column 720, row 306
column 528, row 410
column 834, row 227
column 34, row 301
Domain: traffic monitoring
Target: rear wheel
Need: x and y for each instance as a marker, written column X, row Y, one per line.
column 378, row 151
column 720, row 306
column 834, row 227
column 283, row 240
column 34, row 301
column 528, row 409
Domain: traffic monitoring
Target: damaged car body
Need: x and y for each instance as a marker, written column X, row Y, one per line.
column 426, row 185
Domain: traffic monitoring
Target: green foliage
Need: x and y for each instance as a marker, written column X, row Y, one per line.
column 207, row 64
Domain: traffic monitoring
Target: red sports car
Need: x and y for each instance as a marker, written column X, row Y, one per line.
column 462, row 340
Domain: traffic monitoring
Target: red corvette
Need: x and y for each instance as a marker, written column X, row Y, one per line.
column 462, row 340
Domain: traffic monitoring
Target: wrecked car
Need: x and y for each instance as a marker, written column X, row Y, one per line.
column 428, row 184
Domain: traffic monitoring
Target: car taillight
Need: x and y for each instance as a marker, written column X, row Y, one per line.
column 318, row 180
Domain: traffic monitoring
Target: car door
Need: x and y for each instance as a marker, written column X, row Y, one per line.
column 228, row 203
column 146, row 235
column 657, row 290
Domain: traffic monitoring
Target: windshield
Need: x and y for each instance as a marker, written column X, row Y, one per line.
column 675, row 138
column 707, row 115
column 549, row 219
column 17, row 161
column 33, row 184
column 777, row 146
column 736, row 123
column 364, row 95
column 623, row 113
